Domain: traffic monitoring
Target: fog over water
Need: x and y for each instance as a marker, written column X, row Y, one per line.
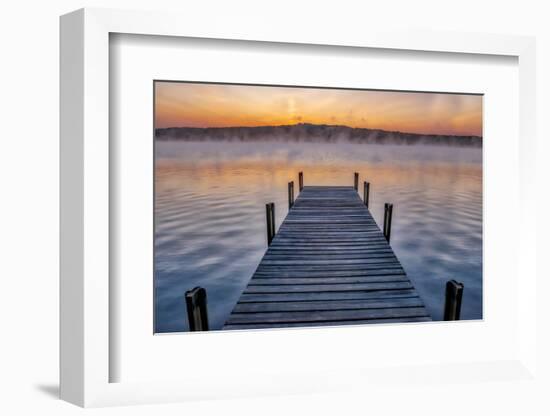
column 210, row 214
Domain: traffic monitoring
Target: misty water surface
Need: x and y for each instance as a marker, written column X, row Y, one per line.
column 210, row 215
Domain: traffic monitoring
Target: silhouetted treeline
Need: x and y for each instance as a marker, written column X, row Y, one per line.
column 319, row 133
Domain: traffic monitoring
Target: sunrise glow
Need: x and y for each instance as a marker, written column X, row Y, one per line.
column 221, row 105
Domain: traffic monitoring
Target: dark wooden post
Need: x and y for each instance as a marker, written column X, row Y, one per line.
column 290, row 194
column 453, row 300
column 270, row 220
column 301, row 181
column 197, row 313
column 268, row 223
column 388, row 211
column 356, row 181
column 366, row 193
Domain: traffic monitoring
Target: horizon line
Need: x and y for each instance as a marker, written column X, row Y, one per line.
column 325, row 125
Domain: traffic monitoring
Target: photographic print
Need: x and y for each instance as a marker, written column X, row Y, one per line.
column 287, row 206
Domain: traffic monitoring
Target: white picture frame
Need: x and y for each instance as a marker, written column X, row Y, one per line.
column 85, row 211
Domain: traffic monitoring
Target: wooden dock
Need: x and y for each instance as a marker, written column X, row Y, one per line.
column 328, row 264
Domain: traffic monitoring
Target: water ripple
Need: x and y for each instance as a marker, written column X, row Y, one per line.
column 210, row 215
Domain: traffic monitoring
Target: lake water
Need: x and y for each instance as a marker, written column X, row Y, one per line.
column 210, row 215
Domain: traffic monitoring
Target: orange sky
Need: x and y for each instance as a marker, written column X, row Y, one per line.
column 217, row 105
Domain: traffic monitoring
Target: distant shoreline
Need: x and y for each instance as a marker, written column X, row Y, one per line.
column 314, row 133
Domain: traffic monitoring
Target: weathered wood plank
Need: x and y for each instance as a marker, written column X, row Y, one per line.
column 329, row 250
column 327, row 323
column 329, row 273
column 261, row 281
column 251, row 288
column 317, row 316
column 290, row 245
column 315, row 262
column 331, row 267
column 381, row 252
column 323, row 296
column 318, row 306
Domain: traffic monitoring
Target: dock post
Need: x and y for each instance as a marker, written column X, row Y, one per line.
column 290, row 194
column 356, row 181
column 197, row 313
column 453, row 300
column 388, row 211
column 301, row 181
column 270, row 220
column 366, row 193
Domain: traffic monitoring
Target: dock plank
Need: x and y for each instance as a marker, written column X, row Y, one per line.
column 326, row 323
column 319, row 306
column 328, row 264
column 320, row 316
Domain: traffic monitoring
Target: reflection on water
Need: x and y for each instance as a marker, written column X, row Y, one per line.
column 210, row 215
